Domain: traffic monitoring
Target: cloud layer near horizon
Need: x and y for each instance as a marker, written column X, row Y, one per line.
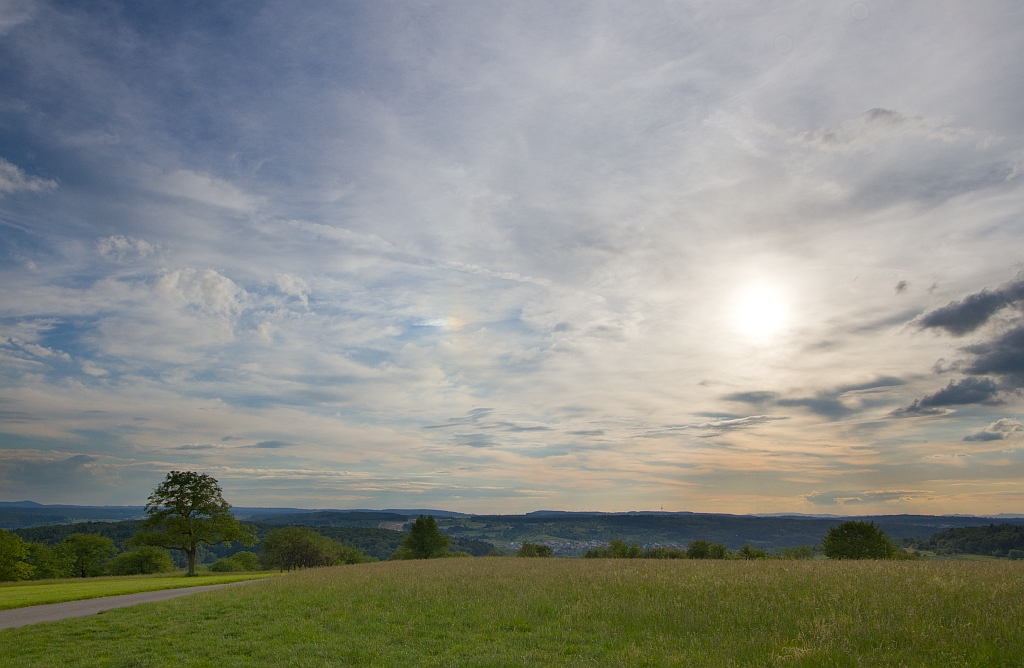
column 588, row 256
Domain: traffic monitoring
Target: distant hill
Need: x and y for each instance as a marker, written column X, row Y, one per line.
column 14, row 515
column 575, row 530
column 332, row 518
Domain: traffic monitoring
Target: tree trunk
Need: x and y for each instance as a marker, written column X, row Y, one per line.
column 192, row 561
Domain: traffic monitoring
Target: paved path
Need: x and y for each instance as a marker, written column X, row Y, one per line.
column 10, row 619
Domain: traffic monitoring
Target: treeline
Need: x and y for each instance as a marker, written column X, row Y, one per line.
column 766, row 533
column 92, row 554
column 76, row 555
column 697, row 549
column 90, row 549
column 996, row 540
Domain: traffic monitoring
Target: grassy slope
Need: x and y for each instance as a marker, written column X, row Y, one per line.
column 512, row 612
column 22, row 594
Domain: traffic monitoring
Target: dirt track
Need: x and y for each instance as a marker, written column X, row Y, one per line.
column 35, row 614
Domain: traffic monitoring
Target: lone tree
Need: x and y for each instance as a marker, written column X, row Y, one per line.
column 425, row 541
column 857, row 540
column 187, row 510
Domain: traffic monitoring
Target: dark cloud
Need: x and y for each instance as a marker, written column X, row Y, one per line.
column 513, row 427
column 957, row 393
column 827, row 403
column 901, row 286
column 1003, row 357
column 751, row 397
column 971, row 312
column 196, row 446
column 472, row 417
column 475, row 440
column 269, row 444
column 588, row 432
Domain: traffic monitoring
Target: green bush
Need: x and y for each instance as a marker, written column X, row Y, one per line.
column 857, row 540
column 718, row 551
column 240, row 561
column 143, row 561
column 534, row 550
column 299, row 547
column 748, row 551
column 1015, row 555
column 617, row 549
column 798, row 552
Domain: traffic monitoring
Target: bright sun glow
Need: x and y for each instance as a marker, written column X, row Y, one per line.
column 760, row 313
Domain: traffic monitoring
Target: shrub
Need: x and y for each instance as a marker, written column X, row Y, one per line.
column 698, row 549
column 534, row 550
column 857, row 540
column 240, row 561
column 718, row 551
column 143, row 561
column 1015, row 555
column 299, row 547
column 748, row 551
column 798, row 552
column 617, row 549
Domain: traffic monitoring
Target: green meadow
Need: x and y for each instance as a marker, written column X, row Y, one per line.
column 24, row 593
column 594, row 612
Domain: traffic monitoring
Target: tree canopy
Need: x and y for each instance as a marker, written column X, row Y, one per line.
column 857, row 540
column 13, row 558
column 299, row 547
column 87, row 552
column 186, row 510
column 425, row 541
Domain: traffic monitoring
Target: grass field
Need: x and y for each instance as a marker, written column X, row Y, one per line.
column 22, row 594
column 519, row 612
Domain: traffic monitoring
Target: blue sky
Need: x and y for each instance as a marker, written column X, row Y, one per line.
column 499, row 257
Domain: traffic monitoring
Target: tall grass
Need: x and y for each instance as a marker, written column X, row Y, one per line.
column 512, row 612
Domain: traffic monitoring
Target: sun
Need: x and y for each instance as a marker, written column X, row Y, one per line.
column 760, row 312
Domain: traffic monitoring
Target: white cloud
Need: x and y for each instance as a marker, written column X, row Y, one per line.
column 1000, row 430
column 93, row 370
column 13, row 179
column 119, row 248
column 294, row 286
column 206, row 189
column 265, row 331
column 209, row 290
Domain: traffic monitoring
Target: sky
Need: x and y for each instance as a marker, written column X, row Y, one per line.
column 498, row 257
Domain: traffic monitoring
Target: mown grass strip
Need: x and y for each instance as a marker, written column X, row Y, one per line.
column 24, row 594
column 519, row 612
